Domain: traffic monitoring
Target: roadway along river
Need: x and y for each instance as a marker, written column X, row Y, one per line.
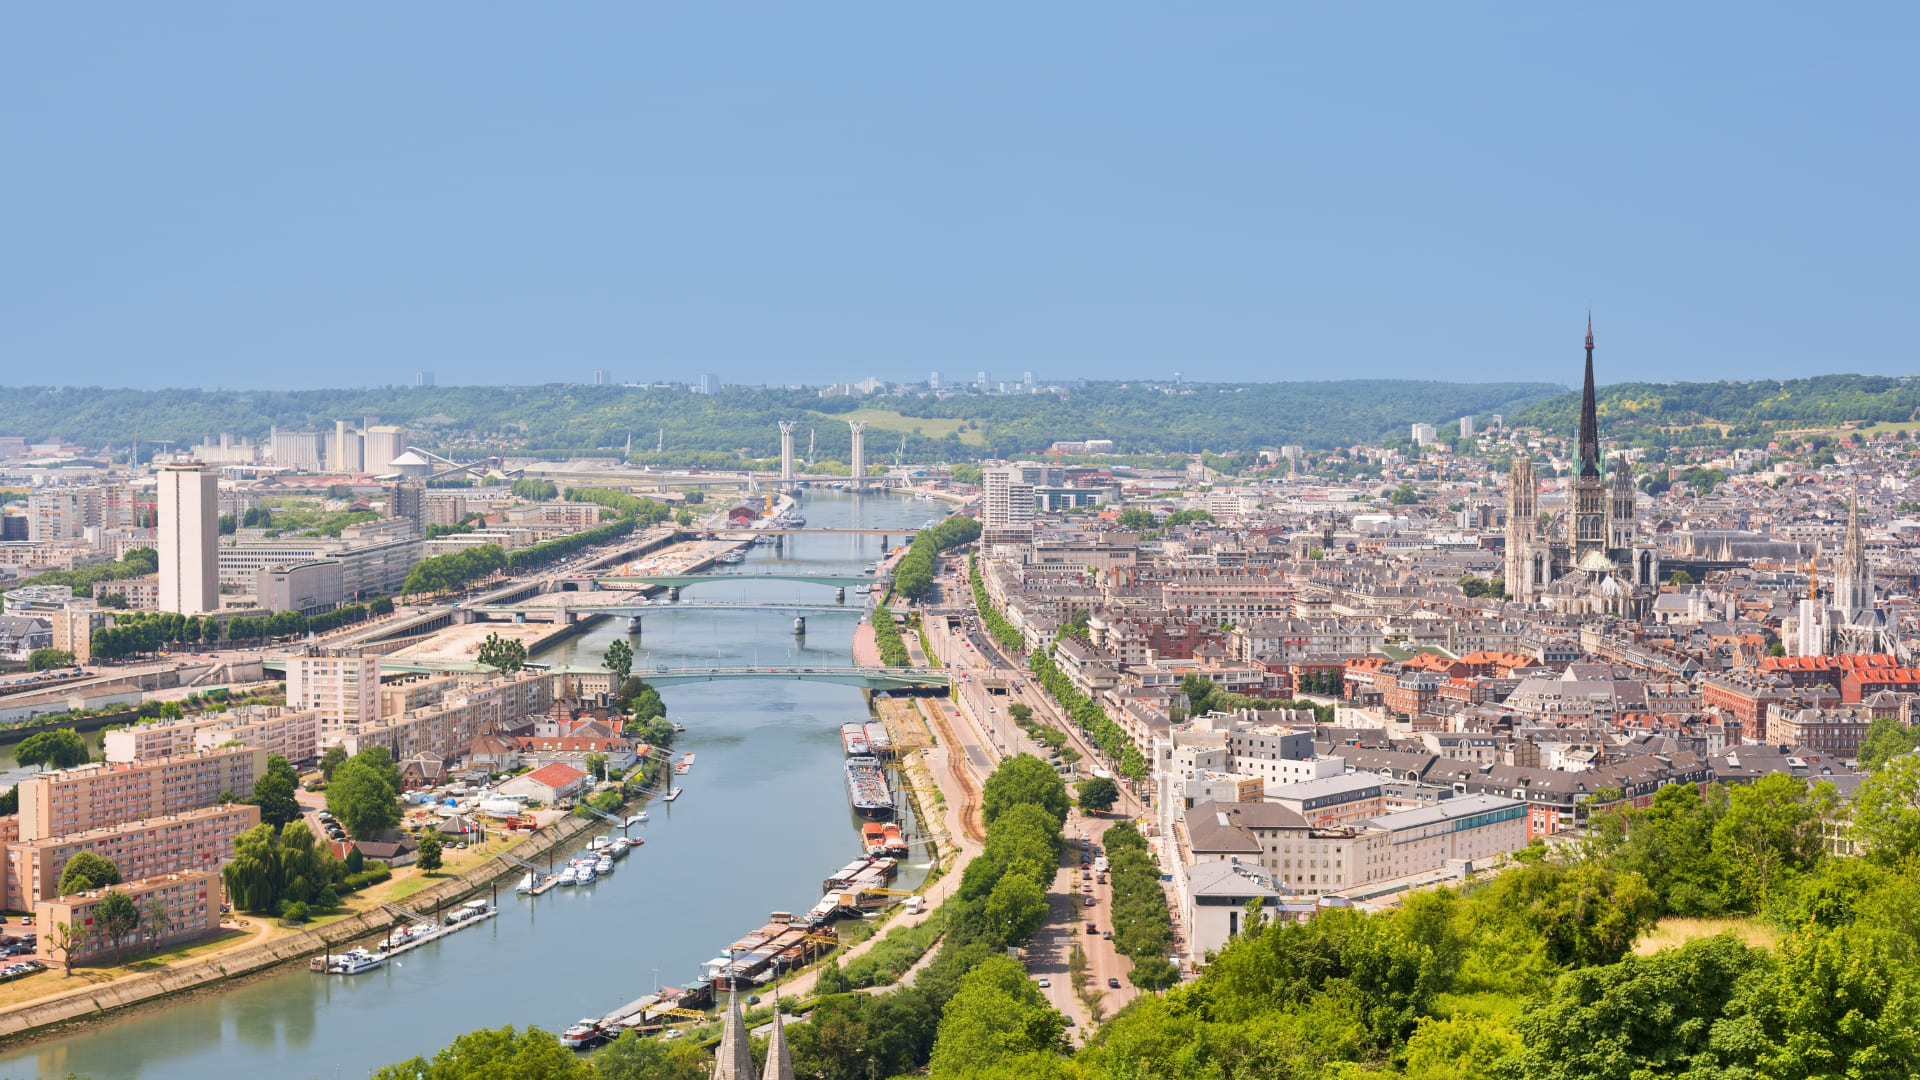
column 763, row 820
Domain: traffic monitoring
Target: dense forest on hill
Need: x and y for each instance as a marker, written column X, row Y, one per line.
column 1633, row 411
column 1141, row 418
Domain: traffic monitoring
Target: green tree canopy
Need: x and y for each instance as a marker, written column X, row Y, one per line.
column 496, row 1054
column 996, row 1020
column 1024, row 779
column 274, row 792
column 363, row 794
column 1016, row 909
column 115, row 918
column 505, row 655
column 57, row 749
column 1097, row 794
column 86, row 870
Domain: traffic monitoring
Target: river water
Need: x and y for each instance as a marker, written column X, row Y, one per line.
column 764, row 819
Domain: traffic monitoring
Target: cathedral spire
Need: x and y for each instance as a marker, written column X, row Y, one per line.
column 1589, row 424
column 734, row 1058
column 779, row 1058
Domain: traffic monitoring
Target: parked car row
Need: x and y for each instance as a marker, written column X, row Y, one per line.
column 21, row 970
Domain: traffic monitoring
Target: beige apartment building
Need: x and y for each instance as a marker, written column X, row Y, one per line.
column 345, row 689
column 461, row 709
column 75, row 800
column 293, row 734
column 191, row 898
column 196, row 840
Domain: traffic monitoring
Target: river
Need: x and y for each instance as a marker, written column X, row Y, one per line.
column 763, row 821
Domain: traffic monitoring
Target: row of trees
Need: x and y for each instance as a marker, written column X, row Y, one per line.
column 137, row 562
column 996, row 623
column 913, row 576
column 1089, row 716
column 455, row 570
column 551, row 551
column 646, row 512
column 138, row 632
column 1142, row 928
column 534, row 488
column 886, row 637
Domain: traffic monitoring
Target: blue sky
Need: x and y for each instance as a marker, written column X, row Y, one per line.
column 343, row 195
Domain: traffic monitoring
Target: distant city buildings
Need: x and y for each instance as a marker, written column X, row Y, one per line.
column 1424, row 434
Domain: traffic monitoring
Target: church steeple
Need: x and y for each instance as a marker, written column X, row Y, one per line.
column 733, row 1060
column 1589, row 424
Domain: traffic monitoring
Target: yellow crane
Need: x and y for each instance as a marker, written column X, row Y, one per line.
column 887, row 892
column 824, row 939
column 687, row 1014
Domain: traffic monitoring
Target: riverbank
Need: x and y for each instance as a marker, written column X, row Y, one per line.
column 61, row 1012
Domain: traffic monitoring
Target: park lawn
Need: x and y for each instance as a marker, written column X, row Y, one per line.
column 1674, row 930
column 54, row 980
column 931, row 427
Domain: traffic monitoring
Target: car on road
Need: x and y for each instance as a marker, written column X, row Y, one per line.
column 1106, row 935
column 1044, row 983
column 1092, row 929
column 1113, row 983
column 1090, row 901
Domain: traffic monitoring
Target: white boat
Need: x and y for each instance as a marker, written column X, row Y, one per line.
column 355, row 961
column 584, row 874
column 526, row 885
column 620, row 848
column 604, row 866
column 599, row 842
column 567, row 877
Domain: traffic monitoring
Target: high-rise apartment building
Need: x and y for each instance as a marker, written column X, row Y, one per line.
column 70, row 801
column 1466, row 427
column 707, row 384
column 189, row 505
column 1424, row 434
column 345, row 689
column 195, row 840
column 409, row 501
column 1009, row 497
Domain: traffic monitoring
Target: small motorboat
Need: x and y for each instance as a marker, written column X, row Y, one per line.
column 527, row 884
column 584, row 874
column 567, row 877
column 604, row 866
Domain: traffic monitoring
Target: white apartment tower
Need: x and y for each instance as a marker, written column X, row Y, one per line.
column 189, row 514
column 1009, row 497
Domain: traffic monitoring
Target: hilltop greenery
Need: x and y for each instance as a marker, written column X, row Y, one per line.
column 1141, row 418
column 1639, row 412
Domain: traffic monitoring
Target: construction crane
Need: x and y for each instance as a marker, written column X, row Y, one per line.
column 687, row 1014
column 887, row 892
column 825, row 939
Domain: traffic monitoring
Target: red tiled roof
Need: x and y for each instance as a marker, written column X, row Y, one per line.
column 557, row 775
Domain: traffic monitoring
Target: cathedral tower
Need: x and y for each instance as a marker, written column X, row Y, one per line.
column 1526, row 574
column 1589, row 489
